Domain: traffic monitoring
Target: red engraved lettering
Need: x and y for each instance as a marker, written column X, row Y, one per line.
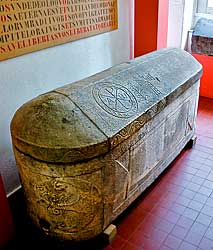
column 2, row 49
column 34, row 41
column 3, row 19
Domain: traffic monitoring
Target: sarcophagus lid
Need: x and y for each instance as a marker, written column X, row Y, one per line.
column 88, row 118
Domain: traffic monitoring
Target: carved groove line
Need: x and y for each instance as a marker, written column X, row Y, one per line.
column 128, row 177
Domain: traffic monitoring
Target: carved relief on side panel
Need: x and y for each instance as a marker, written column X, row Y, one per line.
column 122, row 177
column 146, row 154
column 128, row 131
column 175, row 126
column 63, row 205
column 192, row 109
column 132, row 128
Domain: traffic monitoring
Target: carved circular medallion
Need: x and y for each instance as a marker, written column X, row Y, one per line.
column 115, row 99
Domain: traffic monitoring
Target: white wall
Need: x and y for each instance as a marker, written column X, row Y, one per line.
column 175, row 23
column 189, row 11
column 27, row 76
column 180, row 21
column 202, row 6
column 132, row 27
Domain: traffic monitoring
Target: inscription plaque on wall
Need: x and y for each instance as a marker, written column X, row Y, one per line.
column 30, row 25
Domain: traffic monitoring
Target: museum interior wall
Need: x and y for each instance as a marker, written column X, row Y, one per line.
column 27, row 76
column 163, row 11
column 175, row 24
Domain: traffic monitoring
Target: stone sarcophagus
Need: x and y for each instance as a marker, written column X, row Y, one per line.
column 85, row 151
column 202, row 37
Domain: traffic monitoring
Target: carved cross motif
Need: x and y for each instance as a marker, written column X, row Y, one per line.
column 115, row 99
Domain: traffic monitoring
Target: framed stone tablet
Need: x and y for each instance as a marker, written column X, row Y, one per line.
column 31, row 25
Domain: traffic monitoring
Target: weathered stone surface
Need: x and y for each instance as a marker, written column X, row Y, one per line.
column 202, row 37
column 87, row 150
column 51, row 128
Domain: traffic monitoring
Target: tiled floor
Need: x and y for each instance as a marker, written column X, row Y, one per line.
column 177, row 211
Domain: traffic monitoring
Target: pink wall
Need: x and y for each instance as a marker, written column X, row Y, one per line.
column 163, row 12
